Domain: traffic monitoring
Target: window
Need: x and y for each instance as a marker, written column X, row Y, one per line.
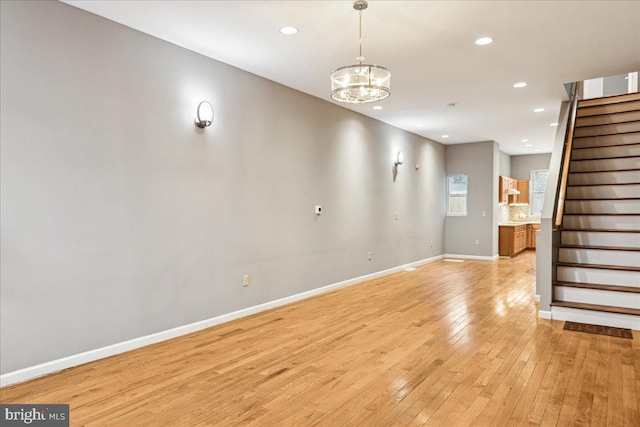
column 538, row 185
column 457, row 194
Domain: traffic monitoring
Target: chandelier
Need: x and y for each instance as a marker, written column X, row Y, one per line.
column 360, row 83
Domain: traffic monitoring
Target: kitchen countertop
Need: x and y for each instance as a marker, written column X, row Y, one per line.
column 514, row 223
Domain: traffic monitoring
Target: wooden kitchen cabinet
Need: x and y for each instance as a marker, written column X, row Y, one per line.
column 512, row 239
column 523, row 188
column 505, row 183
column 531, row 235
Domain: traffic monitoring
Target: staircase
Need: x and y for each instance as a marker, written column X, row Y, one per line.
column 598, row 264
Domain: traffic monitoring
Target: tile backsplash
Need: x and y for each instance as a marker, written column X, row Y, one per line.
column 518, row 212
column 515, row 213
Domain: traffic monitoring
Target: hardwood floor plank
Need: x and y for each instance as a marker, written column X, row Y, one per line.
column 446, row 344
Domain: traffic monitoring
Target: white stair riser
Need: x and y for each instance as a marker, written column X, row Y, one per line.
column 608, row 109
column 614, row 117
column 604, row 177
column 598, row 297
column 605, row 165
column 604, row 192
column 600, row 141
column 610, row 222
column 597, row 256
column 601, row 152
column 596, row 317
column 602, row 206
column 624, row 240
column 598, row 276
column 618, row 99
column 608, row 129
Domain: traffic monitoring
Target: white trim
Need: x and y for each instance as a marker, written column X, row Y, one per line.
column 537, row 298
column 478, row 257
column 544, row 314
column 121, row 347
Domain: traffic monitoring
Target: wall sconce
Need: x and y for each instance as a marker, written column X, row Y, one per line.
column 204, row 115
column 399, row 158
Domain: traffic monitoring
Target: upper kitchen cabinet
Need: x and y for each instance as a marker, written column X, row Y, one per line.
column 505, row 186
column 512, row 190
column 523, row 188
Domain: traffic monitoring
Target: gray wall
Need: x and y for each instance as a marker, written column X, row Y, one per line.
column 505, row 164
column 545, row 252
column 521, row 166
column 120, row 218
column 480, row 162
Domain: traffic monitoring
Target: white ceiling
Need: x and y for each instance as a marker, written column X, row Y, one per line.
column 429, row 48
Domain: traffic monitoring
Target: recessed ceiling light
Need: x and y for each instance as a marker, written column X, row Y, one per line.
column 445, row 136
column 418, row 125
column 378, row 107
column 519, row 85
column 482, row 41
column 529, row 145
column 538, row 110
column 553, row 124
column 524, row 140
column 537, row 149
column 289, row 31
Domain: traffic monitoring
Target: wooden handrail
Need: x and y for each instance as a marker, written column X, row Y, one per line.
column 566, row 155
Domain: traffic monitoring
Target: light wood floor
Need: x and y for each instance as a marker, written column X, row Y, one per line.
column 447, row 344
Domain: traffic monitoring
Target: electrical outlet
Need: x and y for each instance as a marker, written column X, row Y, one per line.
column 245, row 280
column 370, row 254
column 484, row 213
column 477, row 242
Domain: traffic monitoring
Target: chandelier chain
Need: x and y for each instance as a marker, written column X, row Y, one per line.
column 360, row 57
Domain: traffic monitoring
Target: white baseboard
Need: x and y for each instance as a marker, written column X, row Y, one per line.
column 477, row 257
column 121, row 347
column 544, row 314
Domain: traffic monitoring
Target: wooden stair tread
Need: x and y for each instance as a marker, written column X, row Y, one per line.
column 598, row 266
column 606, row 100
column 601, row 230
column 606, row 133
column 596, row 307
column 603, row 134
column 607, row 146
column 604, row 124
column 598, row 287
column 596, row 110
column 602, row 198
column 601, row 248
column 600, row 185
column 606, row 171
column 602, row 214
column 605, row 158
column 631, row 107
